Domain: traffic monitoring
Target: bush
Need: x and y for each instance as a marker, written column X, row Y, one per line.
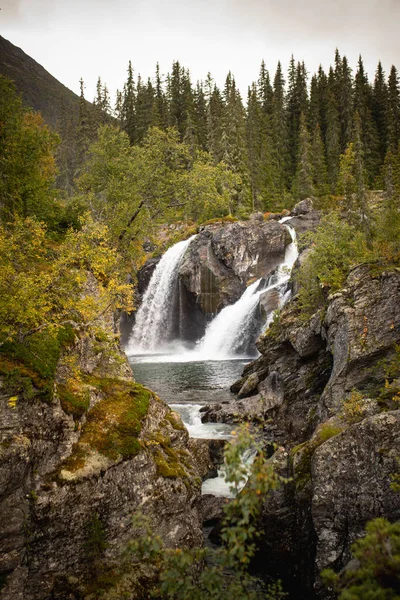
column 337, row 247
column 354, row 408
column 201, row 573
column 376, row 575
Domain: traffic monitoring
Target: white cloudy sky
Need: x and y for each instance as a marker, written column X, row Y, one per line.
column 87, row 38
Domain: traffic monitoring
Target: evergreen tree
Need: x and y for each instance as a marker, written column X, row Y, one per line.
column 393, row 111
column 128, row 106
column 254, row 129
column 297, row 103
column 265, row 90
column 314, row 112
column 177, row 90
column 200, row 116
column 363, row 105
column 345, row 104
column 380, row 100
column 332, row 141
column 118, row 110
column 160, row 107
column 215, row 110
column 144, row 109
column 233, row 136
column 319, row 170
column 279, row 132
column 83, row 132
column 352, row 180
column 303, row 186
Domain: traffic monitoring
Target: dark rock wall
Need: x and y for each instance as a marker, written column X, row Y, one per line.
column 341, row 469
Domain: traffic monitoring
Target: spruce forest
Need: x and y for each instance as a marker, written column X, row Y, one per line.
column 284, row 140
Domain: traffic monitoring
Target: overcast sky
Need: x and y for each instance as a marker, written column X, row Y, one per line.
column 87, row 38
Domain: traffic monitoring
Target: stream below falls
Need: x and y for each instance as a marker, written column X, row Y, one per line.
column 186, row 387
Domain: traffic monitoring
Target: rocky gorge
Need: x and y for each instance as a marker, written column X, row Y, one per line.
column 326, row 391
column 86, row 447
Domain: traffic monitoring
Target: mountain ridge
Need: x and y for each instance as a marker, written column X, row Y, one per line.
column 39, row 89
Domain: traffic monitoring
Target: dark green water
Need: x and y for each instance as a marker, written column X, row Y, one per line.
column 200, row 382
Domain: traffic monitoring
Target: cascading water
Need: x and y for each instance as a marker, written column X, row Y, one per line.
column 226, row 337
column 228, row 334
column 155, row 317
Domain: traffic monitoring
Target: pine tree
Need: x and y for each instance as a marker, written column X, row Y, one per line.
column 83, row 130
column 233, row 137
column 353, row 180
column 319, row 170
column 160, row 108
column 215, row 110
column 345, row 104
column 297, row 103
column 177, row 89
column 144, row 109
column 314, row 112
column 380, row 100
column 265, row 91
column 118, row 110
column 393, row 111
column 332, row 141
column 128, row 106
column 363, row 105
column 303, row 181
column 254, row 130
column 200, row 116
column 279, row 132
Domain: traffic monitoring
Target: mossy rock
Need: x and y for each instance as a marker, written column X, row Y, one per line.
column 301, row 455
column 30, row 367
column 113, row 425
column 73, row 402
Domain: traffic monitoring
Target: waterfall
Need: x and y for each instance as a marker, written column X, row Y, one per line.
column 155, row 319
column 228, row 335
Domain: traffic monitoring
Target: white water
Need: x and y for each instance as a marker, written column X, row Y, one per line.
column 218, row 486
column 154, row 319
column 190, row 414
column 223, row 339
column 226, row 334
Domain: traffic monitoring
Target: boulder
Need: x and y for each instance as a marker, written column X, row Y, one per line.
column 303, row 207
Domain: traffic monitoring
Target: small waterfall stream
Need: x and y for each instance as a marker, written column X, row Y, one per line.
column 154, row 319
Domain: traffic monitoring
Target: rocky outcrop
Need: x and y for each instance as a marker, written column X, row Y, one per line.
column 223, row 258
column 78, row 462
column 326, row 389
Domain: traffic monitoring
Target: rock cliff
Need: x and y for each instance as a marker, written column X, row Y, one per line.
column 80, row 453
column 328, row 390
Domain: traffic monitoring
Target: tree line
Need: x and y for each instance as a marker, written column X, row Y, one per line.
column 284, row 142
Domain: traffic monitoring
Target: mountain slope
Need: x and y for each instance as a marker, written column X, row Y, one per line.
column 38, row 88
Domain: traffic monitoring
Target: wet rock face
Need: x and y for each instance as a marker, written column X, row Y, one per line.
column 62, row 489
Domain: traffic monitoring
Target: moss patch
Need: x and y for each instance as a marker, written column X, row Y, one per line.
column 73, row 402
column 113, row 425
column 226, row 219
column 30, row 367
column 301, row 455
column 175, row 422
